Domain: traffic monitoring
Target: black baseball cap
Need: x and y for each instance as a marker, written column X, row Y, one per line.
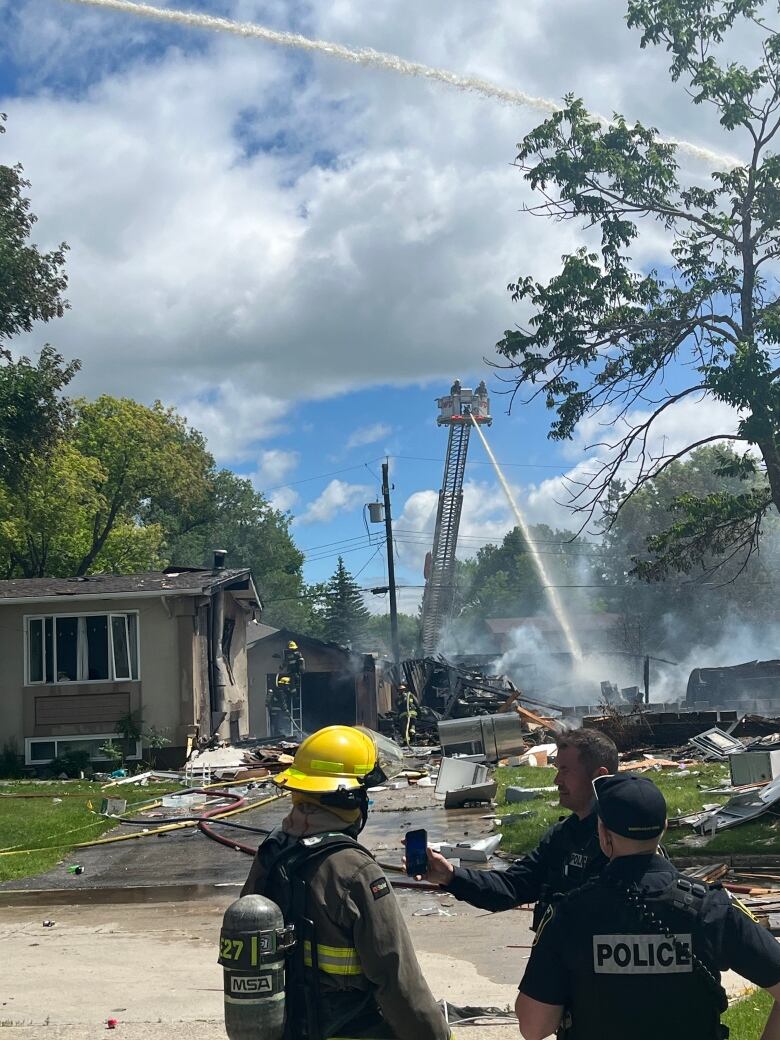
column 630, row 805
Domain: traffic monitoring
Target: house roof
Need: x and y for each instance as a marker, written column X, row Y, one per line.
column 170, row 582
column 264, row 632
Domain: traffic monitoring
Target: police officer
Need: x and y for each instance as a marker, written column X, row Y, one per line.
column 568, row 854
column 354, row 972
column 638, row 951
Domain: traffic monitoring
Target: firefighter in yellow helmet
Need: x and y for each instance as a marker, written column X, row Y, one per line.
column 354, row 972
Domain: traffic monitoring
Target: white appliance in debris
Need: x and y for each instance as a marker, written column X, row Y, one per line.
column 754, row 767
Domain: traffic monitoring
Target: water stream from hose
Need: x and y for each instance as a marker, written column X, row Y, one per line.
column 378, row 59
column 550, row 591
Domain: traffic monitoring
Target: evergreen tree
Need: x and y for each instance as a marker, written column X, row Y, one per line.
column 345, row 618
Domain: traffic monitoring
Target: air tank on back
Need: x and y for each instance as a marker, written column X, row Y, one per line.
column 252, row 948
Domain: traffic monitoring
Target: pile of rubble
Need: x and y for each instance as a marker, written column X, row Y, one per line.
column 433, row 690
column 246, row 760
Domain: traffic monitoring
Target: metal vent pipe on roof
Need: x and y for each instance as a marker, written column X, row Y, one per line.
column 219, row 559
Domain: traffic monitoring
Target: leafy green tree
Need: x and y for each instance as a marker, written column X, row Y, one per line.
column 32, row 412
column 602, row 333
column 146, row 455
column 345, row 617
column 43, row 521
column 409, row 634
column 502, row 580
column 31, row 283
column 82, row 506
column 236, row 517
column 740, row 592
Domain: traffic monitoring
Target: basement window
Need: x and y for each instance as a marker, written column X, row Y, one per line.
column 82, row 648
column 41, row 750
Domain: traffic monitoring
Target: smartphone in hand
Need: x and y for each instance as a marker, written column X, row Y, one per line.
column 416, row 843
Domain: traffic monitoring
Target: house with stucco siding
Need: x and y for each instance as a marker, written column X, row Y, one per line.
column 81, row 654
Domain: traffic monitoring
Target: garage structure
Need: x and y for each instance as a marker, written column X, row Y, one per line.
column 338, row 687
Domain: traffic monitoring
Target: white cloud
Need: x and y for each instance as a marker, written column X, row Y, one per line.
column 486, row 517
column 338, row 497
column 369, row 435
column 284, row 498
column 273, row 466
column 232, row 419
column 286, row 231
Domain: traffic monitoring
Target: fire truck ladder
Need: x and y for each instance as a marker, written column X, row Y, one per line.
column 440, row 585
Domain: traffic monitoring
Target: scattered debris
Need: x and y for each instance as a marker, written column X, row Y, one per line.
column 457, row 773
column 113, row 806
column 440, row 691
column 525, row 794
column 509, row 818
column 715, row 743
column 49, row 923
column 478, row 851
column 538, row 755
column 751, row 767
column 474, row 794
column 245, row 760
column 742, row 807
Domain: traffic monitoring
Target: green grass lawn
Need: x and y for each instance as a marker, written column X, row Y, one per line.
column 746, row 1018
column 683, row 794
column 61, row 818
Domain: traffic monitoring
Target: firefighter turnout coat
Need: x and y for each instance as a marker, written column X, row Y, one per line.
column 368, row 976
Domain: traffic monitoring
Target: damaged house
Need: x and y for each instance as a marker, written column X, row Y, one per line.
column 82, row 654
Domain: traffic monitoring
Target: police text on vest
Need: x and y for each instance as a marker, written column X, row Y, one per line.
column 641, row 954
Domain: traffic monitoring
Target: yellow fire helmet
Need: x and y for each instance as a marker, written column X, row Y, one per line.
column 341, row 758
column 283, row 680
column 292, row 645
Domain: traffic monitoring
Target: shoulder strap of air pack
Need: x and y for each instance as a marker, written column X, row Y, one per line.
column 303, row 1017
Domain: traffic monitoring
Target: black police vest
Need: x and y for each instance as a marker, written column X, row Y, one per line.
column 571, row 864
column 645, row 971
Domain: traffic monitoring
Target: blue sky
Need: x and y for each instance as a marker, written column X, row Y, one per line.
column 302, row 254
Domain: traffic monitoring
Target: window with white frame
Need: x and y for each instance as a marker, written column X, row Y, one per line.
column 82, row 648
column 41, row 750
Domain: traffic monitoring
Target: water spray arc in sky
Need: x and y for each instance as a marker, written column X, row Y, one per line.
column 552, row 593
column 378, row 59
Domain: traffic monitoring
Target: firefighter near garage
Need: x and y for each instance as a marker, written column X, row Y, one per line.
column 284, row 706
column 339, row 961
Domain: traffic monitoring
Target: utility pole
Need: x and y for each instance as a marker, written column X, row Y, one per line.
column 390, row 566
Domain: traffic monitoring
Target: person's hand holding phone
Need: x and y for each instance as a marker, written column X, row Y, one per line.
column 422, row 863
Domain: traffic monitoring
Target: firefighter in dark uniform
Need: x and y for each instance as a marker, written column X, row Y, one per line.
column 356, row 974
column 293, row 662
column 568, row 854
column 638, row 951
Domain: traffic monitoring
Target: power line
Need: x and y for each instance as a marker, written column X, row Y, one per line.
column 339, row 541
column 318, row 476
column 371, row 557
